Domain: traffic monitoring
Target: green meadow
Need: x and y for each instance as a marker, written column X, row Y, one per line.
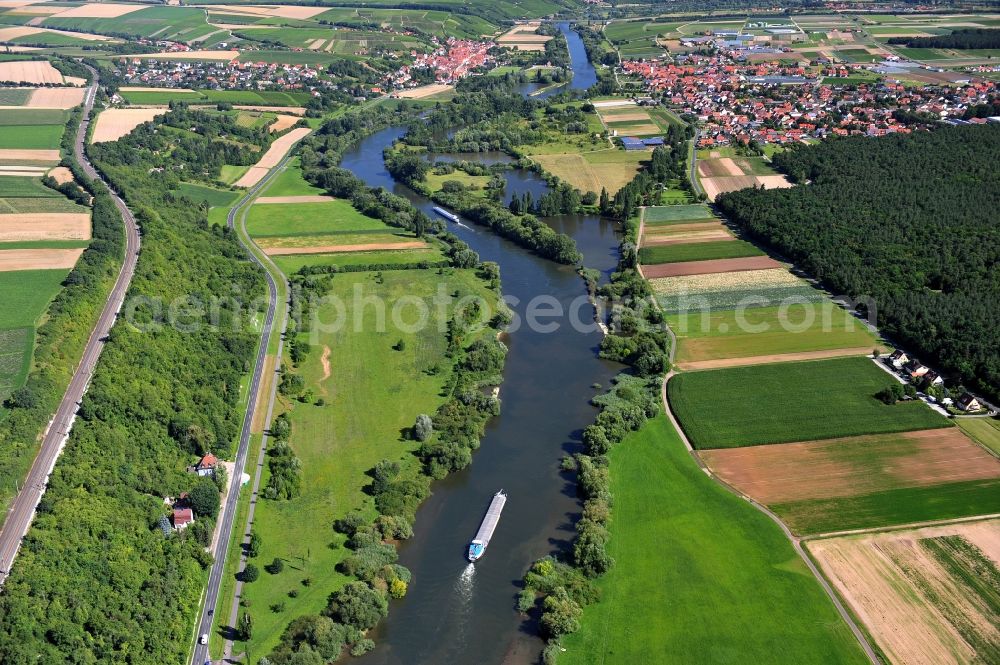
column 680, row 214
column 699, row 575
column 291, row 183
column 290, row 219
column 210, row 195
column 697, row 251
column 825, row 399
column 290, row 264
column 985, row 431
column 762, row 331
column 372, row 393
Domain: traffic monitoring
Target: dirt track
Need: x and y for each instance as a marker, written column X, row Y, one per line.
column 709, row 267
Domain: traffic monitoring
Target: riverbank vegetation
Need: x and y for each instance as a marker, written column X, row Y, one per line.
column 913, row 229
column 162, row 394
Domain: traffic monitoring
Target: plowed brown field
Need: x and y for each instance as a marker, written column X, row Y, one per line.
column 709, row 267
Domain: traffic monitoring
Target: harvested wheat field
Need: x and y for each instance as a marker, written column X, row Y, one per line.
column 99, row 10
column 719, row 185
column 743, row 361
column 423, row 91
column 927, row 596
column 272, row 157
column 852, row 466
column 13, row 154
column 283, row 122
column 6, row 34
column 55, row 98
column 724, row 166
column 44, row 226
column 23, row 171
column 28, row 71
column 340, row 249
column 309, row 198
column 686, row 237
column 38, row 259
column 709, row 267
column 112, row 124
column 61, row 174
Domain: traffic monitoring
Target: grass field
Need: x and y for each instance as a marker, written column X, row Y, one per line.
column 213, row 197
column 247, row 97
column 308, row 218
column 12, row 205
column 290, row 182
column 697, row 251
column 703, row 579
column 984, row 430
column 31, row 137
column 29, row 116
column 590, row 171
column 764, row 331
column 406, row 257
column 14, row 97
column 729, row 408
column 371, row 394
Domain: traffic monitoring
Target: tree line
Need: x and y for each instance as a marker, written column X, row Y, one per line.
column 966, row 38
column 909, row 221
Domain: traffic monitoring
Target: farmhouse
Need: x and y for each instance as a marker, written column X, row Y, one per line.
column 206, row 466
column 916, row 369
column 898, row 358
column 182, row 517
column 968, row 402
column 933, row 378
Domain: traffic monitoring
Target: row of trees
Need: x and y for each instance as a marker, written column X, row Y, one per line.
column 909, row 221
column 966, row 38
column 96, row 551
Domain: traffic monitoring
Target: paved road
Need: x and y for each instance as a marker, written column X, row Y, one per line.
column 207, row 619
column 22, row 511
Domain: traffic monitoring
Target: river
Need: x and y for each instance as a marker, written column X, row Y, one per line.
column 455, row 612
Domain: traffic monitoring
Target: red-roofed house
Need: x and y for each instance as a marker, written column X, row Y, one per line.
column 206, row 466
column 182, row 517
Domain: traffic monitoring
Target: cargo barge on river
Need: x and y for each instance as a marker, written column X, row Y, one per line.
column 477, row 548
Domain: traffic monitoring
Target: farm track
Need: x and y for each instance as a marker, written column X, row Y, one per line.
column 796, row 542
column 254, row 401
column 22, row 510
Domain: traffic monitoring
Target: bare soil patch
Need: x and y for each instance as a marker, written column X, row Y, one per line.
column 341, row 249
column 773, row 181
column 719, row 185
column 38, row 259
column 30, row 71
column 424, row 91
column 918, row 610
column 623, row 117
column 112, row 124
column 283, row 122
column 843, row 467
column 709, row 267
column 44, row 226
column 61, row 174
column 10, row 154
column 55, row 98
column 99, row 10
column 270, row 159
column 314, row 198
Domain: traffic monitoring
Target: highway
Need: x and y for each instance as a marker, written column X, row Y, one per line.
column 207, row 619
column 22, row 511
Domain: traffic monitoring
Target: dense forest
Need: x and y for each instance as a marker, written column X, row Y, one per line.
column 910, row 221
column 97, row 580
column 967, row 38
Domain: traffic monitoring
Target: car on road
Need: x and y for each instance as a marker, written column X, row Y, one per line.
column 203, row 639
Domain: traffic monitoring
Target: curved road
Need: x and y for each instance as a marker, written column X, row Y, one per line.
column 22, row 511
column 205, row 622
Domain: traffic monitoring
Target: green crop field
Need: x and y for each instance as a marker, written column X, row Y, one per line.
column 431, row 22
column 10, row 206
column 15, row 358
column 891, row 507
column 31, row 137
column 27, row 294
column 173, row 23
column 702, row 577
column 213, row 197
column 697, row 251
column 22, row 187
column 28, row 116
column 762, row 331
column 247, row 97
column 14, row 97
column 373, row 392
column 290, row 182
column 747, row 297
column 289, row 219
column 984, row 430
column 826, row 399
column 683, row 214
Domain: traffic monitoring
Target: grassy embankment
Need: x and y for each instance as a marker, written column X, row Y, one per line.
column 704, row 578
